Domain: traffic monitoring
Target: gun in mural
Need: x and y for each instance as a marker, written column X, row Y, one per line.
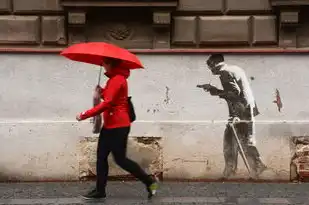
column 206, row 87
column 239, row 135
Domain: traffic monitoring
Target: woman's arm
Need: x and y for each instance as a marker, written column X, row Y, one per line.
column 110, row 94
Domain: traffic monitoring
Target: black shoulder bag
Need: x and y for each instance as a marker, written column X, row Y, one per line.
column 132, row 114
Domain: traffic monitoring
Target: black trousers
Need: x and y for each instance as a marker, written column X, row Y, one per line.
column 115, row 141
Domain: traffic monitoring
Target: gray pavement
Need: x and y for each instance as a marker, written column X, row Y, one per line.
column 181, row 193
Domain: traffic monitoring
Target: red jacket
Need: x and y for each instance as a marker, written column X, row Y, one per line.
column 115, row 104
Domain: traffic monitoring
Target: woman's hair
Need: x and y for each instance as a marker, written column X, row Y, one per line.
column 113, row 62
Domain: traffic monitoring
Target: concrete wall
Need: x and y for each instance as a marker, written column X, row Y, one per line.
column 40, row 96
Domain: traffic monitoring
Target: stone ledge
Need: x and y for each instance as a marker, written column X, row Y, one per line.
column 201, row 5
column 184, row 30
column 83, row 3
column 224, row 30
column 19, row 29
column 5, row 6
column 248, row 6
column 264, row 30
column 33, row 6
column 289, row 2
column 238, row 50
column 53, row 30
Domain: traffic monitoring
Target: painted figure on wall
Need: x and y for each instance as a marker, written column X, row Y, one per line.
column 242, row 109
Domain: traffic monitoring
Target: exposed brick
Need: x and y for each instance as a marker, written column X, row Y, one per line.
column 247, row 5
column 224, row 30
column 200, row 5
column 184, row 30
column 264, row 29
column 19, row 29
column 5, row 6
column 53, row 30
column 32, row 6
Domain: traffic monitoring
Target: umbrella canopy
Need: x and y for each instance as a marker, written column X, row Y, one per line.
column 95, row 52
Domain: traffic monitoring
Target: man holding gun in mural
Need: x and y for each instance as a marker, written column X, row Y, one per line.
column 242, row 110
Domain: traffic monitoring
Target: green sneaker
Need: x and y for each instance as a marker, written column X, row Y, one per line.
column 152, row 189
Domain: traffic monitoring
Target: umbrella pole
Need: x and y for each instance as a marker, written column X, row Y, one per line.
column 97, row 120
column 100, row 73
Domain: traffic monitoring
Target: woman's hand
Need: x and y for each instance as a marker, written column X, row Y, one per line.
column 98, row 89
column 78, row 118
column 98, row 92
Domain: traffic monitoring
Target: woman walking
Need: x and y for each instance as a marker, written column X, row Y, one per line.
column 116, row 128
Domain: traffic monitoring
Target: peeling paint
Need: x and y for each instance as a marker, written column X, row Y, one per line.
column 278, row 100
column 167, row 98
column 146, row 151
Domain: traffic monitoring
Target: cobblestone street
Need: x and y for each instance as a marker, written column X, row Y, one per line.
column 170, row 193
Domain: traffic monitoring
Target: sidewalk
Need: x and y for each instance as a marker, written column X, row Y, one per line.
column 127, row 193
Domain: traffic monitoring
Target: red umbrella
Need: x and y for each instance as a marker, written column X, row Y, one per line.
column 94, row 53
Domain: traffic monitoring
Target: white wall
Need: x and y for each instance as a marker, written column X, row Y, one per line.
column 40, row 96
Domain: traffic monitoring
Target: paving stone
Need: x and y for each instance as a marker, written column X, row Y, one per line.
column 184, row 30
column 264, row 29
column 274, row 201
column 224, row 29
column 53, row 30
column 200, row 5
column 197, row 192
column 32, row 6
column 157, row 200
column 19, row 29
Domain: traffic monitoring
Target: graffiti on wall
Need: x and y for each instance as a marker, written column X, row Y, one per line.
column 239, row 135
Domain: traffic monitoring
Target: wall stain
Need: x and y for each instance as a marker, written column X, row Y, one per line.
column 167, row 98
column 278, row 100
column 153, row 110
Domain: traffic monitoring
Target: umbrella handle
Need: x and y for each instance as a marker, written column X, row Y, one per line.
column 99, row 80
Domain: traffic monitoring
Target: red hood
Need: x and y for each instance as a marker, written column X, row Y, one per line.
column 118, row 71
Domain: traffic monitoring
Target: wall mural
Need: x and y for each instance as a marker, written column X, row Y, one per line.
column 239, row 135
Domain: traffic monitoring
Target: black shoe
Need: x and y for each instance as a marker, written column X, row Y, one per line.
column 94, row 194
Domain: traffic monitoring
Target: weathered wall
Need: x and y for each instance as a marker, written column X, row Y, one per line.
column 40, row 96
column 46, row 24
